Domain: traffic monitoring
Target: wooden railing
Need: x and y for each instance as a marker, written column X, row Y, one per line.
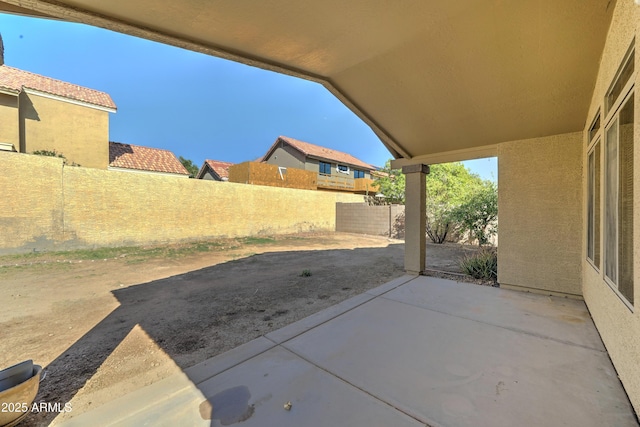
column 365, row 185
column 333, row 182
column 358, row 185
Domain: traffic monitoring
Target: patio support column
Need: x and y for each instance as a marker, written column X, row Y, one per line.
column 415, row 212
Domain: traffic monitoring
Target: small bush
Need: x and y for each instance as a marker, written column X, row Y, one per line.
column 54, row 153
column 482, row 265
column 306, row 273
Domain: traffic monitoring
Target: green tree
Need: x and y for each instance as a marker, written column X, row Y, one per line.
column 478, row 214
column 391, row 183
column 189, row 166
column 449, row 185
column 457, row 200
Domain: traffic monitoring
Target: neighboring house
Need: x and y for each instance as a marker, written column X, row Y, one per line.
column 134, row 158
column 214, row 170
column 336, row 170
column 41, row 113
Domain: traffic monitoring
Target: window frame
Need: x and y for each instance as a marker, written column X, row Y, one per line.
column 357, row 172
column 594, row 202
column 612, row 118
column 323, row 166
column 611, row 108
column 346, row 171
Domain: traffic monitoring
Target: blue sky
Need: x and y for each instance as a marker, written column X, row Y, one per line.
column 197, row 106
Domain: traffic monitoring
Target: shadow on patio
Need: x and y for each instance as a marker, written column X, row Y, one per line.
column 416, row 351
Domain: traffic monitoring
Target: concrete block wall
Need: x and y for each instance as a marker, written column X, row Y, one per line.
column 364, row 219
column 49, row 206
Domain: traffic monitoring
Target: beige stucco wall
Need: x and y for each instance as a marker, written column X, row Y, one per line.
column 540, row 208
column 619, row 326
column 80, row 133
column 56, row 207
column 9, row 120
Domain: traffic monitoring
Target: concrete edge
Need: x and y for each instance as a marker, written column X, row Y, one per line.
column 303, row 325
column 130, row 404
column 227, row 360
column 389, row 286
column 540, row 291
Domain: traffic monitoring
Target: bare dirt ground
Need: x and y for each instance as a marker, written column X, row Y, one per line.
column 104, row 323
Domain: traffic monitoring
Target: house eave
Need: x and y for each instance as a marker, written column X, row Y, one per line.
column 68, row 100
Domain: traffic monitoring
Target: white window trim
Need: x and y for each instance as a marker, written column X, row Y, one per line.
column 348, row 171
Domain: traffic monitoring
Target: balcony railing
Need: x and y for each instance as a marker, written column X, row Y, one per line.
column 365, row 185
column 343, row 183
column 333, row 182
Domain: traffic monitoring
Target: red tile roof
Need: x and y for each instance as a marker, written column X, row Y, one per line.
column 129, row 156
column 219, row 167
column 15, row 80
column 319, row 152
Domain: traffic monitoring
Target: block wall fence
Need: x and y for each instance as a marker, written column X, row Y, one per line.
column 48, row 206
column 375, row 220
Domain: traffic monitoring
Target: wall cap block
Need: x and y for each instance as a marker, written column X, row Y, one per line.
column 416, row 168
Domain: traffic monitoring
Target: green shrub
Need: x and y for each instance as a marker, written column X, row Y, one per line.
column 306, row 273
column 482, row 265
column 54, row 153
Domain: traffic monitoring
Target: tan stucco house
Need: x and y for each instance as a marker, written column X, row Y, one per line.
column 41, row 113
column 336, row 170
column 547, row 86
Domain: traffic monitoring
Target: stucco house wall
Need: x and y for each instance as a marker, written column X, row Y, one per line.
column 619, row 326
column 287, row 157
column 9, row 130
column 79, row 132
column 540, row 207
column 314, row 165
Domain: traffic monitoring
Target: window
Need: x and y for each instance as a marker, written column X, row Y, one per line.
column 343, row 169
column 595, row 127
column 620, row 81
column 358, row 174
column 325, row 168
column 593, row 205
column 618, row 183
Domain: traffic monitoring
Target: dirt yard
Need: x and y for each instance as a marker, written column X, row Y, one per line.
column 106, row 322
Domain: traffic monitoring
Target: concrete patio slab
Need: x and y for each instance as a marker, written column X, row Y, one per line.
column 170, row 399
column 424, row 351
column 317, row 397
column 447, row 370
column 310, row 322
column 562, row 319
column 220, row 363
column 391, row 285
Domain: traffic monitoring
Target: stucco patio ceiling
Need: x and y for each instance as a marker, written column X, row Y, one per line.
column 428, row 77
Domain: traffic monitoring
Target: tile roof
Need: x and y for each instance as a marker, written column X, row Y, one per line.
column 219, row 167
column 130, row 156
column 319, row 152
column 16, row 80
